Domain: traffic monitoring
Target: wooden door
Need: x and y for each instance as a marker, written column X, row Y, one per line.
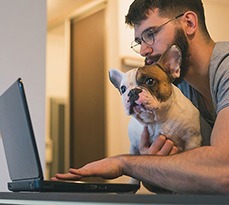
column 87, row 117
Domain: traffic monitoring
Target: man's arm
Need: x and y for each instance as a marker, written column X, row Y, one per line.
column 201, row 170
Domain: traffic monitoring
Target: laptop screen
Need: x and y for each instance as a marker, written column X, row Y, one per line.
column 17, row 134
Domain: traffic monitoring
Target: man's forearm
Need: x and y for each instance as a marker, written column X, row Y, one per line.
column 195, row 171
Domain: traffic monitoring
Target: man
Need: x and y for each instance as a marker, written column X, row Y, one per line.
column 158, row 24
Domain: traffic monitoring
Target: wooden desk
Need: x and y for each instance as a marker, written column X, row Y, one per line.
column 108, row 199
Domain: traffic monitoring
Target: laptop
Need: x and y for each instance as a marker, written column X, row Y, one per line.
column 22, row 154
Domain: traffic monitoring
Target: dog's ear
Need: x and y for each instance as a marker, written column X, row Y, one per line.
column 115, row 77
column 171, row 61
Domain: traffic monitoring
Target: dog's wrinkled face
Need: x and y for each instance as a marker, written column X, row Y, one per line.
column 147, row 89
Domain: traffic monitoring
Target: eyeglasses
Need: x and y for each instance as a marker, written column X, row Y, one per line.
column 148, row 36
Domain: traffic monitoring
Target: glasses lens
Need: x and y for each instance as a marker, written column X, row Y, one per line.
column 148, row 36
column 136, row 46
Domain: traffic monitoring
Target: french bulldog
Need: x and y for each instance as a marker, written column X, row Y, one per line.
column 149, row 95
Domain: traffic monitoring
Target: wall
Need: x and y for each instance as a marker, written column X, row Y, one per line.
column 57, row 74
column 217, row 15
column 22, row 54
column 57, row 86
column 117, row 138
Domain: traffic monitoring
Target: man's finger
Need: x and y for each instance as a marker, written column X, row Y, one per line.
column 66, row 176
column 167, row 148
column 175, row 150
column 157, row 145
column 144, row 141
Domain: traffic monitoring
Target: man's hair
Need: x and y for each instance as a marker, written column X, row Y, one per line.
column 140, row 9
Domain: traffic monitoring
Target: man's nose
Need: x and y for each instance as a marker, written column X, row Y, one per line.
column 145, row 49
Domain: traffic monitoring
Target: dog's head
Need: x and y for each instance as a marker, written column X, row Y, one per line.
column 148, row 89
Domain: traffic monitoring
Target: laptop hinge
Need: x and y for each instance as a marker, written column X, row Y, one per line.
column 24, row 185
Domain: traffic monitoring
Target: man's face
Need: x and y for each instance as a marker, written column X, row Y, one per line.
column 167, row 36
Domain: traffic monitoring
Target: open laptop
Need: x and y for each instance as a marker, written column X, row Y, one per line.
column 22, row 154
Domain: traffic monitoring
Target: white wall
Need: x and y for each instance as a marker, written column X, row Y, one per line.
column 217, row 15
column 22, row 54
column 117, row 137
column 57, row 72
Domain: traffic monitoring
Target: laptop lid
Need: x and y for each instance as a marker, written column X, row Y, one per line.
column 16, row 130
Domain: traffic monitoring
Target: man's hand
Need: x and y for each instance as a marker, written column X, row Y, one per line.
column 108, row 168
column 161, row 146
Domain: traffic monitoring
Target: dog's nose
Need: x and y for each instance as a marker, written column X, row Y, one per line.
column 133, row 95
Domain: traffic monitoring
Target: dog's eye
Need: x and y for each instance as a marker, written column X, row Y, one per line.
column 123, row 89
column 149, row 81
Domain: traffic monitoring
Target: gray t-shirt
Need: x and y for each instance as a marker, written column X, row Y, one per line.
column 219, row 86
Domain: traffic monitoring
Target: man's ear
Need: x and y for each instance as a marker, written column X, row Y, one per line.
column 171, row 61
column 116, row 77
column 191, row 23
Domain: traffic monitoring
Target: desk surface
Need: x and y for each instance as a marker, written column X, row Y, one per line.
column 85, row 198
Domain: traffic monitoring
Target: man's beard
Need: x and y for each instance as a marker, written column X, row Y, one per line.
column 181, row 41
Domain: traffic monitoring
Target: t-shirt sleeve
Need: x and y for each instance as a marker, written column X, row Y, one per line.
column 221, row 85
